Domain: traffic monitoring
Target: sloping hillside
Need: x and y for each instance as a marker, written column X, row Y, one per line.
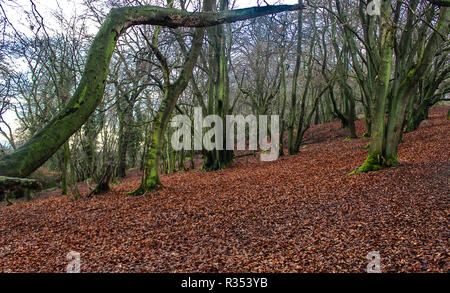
column 299, row 214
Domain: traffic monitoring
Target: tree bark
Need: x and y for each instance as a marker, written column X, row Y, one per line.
column 219, row 85
column 408, row 87
column 291, row 139
column 125, row 119
column 65, row 169
column 374, row 159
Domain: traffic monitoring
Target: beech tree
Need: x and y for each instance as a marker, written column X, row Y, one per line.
column 410, row 68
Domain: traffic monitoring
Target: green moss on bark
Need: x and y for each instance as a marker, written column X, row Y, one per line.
column 372, row 163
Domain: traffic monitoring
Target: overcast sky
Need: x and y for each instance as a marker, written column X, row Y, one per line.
column 68, row 7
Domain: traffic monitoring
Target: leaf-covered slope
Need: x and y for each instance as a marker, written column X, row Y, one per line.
column 299, row 214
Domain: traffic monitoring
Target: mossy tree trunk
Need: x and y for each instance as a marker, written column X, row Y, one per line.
column 408, row 88
column 219, row 102
column 150, row 178
column 430, row 91
column 384, row 60
column 172, row 91
column 90, row 90
column 386, row 138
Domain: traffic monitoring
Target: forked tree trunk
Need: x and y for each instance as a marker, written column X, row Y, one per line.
column 374, row 160
column 219, row 86
column 408, row 87
column 385, row 139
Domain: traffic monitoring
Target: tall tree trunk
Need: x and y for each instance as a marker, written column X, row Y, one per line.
column 65, row 169
column 304, row 120
column 408, row 88
column 283, row 103
column 374, row 160
column 218, row 89
column 123, row 144
column 125, row 120
column 150, row 178
column 292, row 117
column 350, row 111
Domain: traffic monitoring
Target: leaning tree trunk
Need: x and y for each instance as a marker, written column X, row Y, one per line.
column 90, row 90
column 283, row 103
column 150, row 178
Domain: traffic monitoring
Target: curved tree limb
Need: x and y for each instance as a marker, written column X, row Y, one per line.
column 90, row 90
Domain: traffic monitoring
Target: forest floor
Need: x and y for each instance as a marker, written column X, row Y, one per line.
column 298, row 214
